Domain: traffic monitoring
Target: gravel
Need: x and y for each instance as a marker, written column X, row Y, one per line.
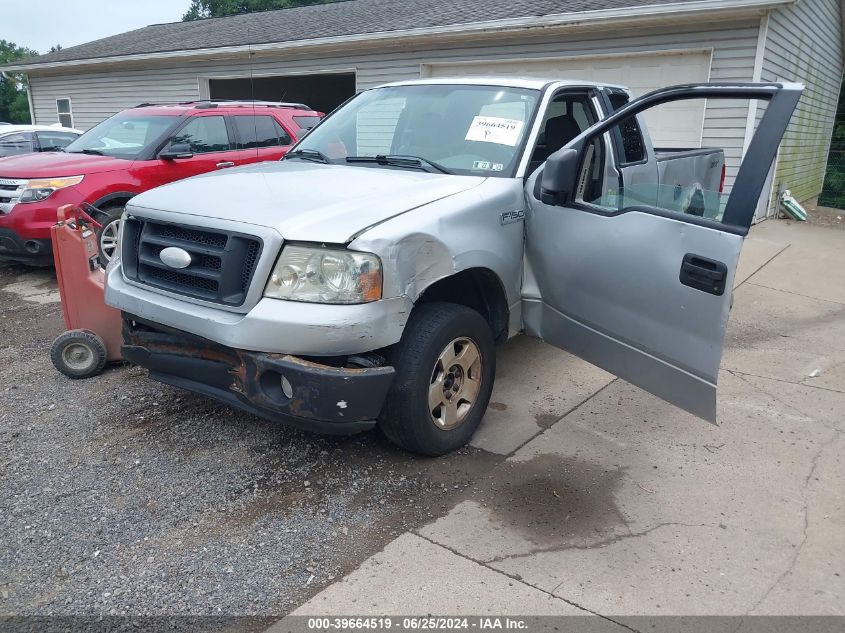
column 122, row 496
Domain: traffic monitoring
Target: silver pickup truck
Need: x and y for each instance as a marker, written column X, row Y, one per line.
column 365, row 279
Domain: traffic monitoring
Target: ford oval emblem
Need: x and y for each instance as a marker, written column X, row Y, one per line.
column 175, row 257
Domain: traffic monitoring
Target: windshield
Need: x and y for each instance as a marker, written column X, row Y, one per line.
column 125, row 135
column 471, row 130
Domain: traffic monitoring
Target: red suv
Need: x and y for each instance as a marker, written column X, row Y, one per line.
column 133, row 151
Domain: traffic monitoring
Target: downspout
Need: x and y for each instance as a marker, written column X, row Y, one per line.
column 29, row 99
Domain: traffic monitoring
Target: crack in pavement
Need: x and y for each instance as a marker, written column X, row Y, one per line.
column 522, row 581
column 603, row 543
column 740, row 374
column 803, row 414
column 806, row 511
column 797, row 294
column 761, row 267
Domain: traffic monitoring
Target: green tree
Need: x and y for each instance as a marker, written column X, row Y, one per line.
column 14, row 106
column 218, row 8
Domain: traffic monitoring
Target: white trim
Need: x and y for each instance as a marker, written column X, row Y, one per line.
column 70, row 107
column 605, row 17
column 704, row 109
column 762, row 37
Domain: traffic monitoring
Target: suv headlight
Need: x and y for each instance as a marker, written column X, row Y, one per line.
column 43, row 188
column 325, row 275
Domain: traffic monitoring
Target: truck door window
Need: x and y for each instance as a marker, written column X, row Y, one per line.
column 631, row 138
column 690, row 181
column 566, row 117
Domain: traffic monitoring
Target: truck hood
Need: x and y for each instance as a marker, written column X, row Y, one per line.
column 304, row 201
column 57, row 164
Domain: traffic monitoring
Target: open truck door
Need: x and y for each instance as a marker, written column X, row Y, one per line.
column 636, row 285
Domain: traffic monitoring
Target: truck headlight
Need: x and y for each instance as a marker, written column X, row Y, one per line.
column 325, row 275
column 43, row 188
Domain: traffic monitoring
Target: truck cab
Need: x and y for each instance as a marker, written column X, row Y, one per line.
column 366, row 278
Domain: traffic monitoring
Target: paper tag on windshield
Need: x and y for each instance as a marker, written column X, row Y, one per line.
column 493, row 129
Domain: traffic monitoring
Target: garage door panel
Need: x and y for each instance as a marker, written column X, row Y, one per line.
column 677, row 125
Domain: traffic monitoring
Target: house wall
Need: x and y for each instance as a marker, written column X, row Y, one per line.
column 99, row 94
column 804, row 44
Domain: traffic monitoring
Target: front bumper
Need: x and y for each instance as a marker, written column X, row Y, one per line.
column 326, row 399
column 271, row 325
column 32, row 251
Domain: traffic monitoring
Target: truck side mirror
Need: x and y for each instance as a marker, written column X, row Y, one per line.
column 559, row 176
column 176, row 151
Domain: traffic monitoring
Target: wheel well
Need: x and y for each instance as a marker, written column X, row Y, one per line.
column 476, row 288
column 113, row 200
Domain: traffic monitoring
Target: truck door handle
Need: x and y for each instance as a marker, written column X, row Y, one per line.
column 225, row 164
column 701, row 273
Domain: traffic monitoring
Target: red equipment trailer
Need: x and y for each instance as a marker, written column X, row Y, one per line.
column 93, row 335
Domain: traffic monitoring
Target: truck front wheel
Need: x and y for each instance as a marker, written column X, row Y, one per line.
column 445, row 366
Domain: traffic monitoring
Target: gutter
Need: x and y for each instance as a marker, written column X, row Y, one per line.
column 580, row 18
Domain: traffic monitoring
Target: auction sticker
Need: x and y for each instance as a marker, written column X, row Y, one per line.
column 493, row 129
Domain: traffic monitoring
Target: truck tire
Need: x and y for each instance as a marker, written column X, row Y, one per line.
column 78, row 354
column 445, row 367
column 107, row 234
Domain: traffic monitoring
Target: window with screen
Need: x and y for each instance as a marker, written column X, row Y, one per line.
column 64, row 110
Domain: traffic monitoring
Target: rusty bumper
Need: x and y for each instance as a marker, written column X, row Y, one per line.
column 320, row 397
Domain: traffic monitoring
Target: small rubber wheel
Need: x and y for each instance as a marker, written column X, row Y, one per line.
column 445, row 367
column 79, row 354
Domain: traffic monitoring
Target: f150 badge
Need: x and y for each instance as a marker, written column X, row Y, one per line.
column 508, row 217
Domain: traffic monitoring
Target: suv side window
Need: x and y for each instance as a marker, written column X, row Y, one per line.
column 632, row 138
column 13, row 144
column 259, row 131
column 53, row 141
column 204, row 134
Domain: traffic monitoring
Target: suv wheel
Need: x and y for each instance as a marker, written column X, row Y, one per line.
column 445, row 367
column 107, row 235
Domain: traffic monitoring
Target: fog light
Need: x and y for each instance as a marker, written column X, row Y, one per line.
column 287, row 389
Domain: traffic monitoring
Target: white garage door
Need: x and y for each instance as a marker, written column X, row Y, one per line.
column 675, row 125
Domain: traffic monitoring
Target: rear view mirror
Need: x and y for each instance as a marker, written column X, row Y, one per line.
column 559, row 176
column 176, row 151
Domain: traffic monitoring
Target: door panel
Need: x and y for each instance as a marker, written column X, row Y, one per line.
column 611, row 294
column 641, row 291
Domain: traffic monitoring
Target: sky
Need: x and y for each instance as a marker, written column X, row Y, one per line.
column 40, row 24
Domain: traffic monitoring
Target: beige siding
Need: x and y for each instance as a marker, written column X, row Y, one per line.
column 99, row 94
column 804, row 43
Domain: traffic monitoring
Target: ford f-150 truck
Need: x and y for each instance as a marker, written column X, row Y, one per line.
column 366, row 278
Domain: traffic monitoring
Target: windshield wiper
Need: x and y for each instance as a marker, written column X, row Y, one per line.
column 396, row 160
column 308, row 154
column 93, row 152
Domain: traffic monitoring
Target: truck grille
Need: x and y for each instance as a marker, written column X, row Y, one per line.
column 222, row 262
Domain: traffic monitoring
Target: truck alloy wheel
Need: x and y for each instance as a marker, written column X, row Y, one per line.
column 445, row 366
column 455, row 383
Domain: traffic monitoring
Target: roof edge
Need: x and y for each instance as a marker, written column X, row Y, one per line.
column 599, row 16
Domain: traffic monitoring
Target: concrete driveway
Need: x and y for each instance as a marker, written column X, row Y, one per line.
column 611, row 502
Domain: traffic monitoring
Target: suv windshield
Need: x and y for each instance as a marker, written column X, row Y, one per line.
column 124, row 135
column 471, row 130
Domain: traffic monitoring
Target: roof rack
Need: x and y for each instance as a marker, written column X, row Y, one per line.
column 213, row 103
